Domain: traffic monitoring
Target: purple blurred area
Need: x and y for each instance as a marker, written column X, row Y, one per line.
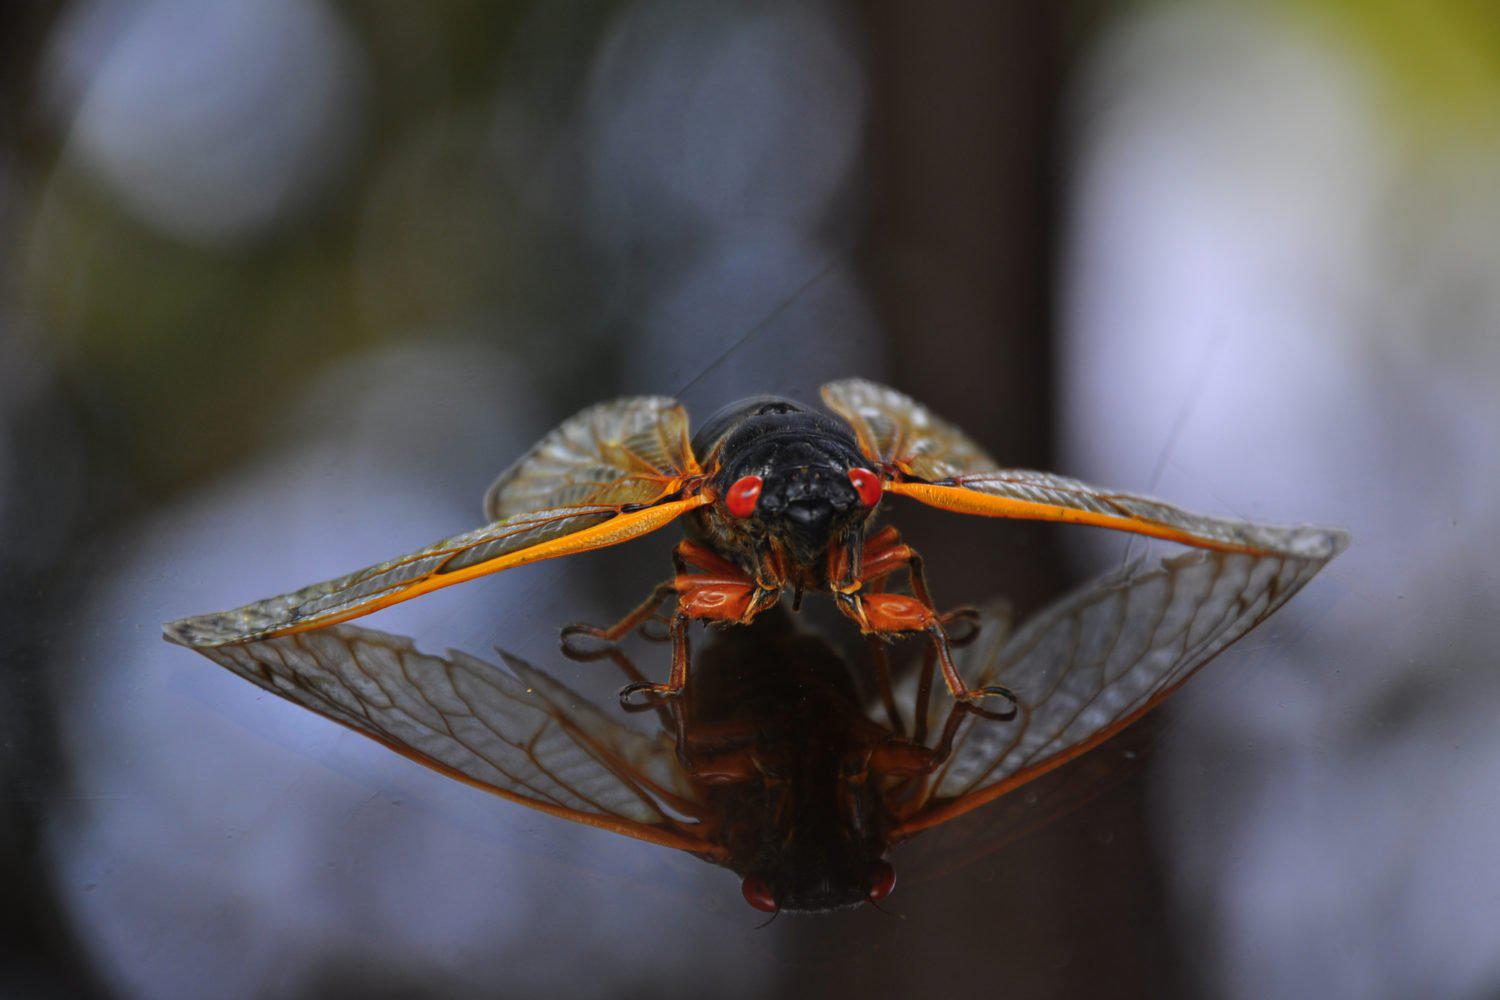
column 286, row 283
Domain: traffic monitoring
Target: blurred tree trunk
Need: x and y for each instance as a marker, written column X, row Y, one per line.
column 961, row 250
column 965, row 166
column 39, row 956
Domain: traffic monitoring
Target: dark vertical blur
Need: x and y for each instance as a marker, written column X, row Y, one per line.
column 966, row 163
column 964, row 152
column 38, row 955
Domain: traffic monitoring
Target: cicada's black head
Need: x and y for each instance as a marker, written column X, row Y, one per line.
column 813, row 835
column 825, row 854
column 788, row 474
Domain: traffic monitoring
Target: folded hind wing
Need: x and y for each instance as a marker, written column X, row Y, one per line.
column 627, row 451
column 899, row 434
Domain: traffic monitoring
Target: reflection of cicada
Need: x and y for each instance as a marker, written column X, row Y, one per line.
column 779, row 499
column 770, row 765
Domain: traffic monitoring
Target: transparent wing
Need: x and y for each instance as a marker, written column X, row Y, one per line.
column 1042, row 496
column 897, row 432
column 513, row 541
column 608, row 474
column 529, row 740
column 627, row 451
column 1096, row 661
column 930, row 460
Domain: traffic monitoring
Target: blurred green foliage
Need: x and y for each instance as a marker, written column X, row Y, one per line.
column 180, row 355
column 1438, row 59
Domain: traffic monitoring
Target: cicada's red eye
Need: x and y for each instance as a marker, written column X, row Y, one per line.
column 758, row 894
column 882, row 880
column 742, row 495
column 867, row 485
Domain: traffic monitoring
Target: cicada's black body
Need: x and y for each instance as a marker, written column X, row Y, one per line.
column 806, row 503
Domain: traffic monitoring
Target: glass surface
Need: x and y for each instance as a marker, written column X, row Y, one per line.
column 286, row 285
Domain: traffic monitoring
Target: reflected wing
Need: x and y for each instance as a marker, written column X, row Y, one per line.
column 930, row 460
column 1096, row 661
column 530, row 740
column 627, row 451
column 1046, row 800
column 900, row 434
column 514, row 541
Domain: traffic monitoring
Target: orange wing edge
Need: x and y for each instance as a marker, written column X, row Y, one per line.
column 966, row 501
column 620, row 528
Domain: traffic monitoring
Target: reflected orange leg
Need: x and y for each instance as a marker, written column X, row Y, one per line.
column 719, row 753
column 904, row 758
column 883, row 683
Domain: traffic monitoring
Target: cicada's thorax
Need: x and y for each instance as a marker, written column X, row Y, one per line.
column 807, row 511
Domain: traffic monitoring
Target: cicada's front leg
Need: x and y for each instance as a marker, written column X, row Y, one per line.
column 718, row 592
column 860, row 595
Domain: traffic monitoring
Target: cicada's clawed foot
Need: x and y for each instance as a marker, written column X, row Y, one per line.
column 650, row 696
column 585, row 642
column 974, row 699
column 966, row 619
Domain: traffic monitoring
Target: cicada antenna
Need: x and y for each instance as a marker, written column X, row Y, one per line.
column 1179, row 422
column 839, row 256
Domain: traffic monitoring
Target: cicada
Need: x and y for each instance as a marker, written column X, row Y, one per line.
column 777, row 499
column 770, row 764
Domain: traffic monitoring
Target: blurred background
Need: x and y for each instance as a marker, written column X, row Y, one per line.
column 286, row 282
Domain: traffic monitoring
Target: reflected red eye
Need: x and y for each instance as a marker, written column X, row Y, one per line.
column 882, row 880
column 867, row 485
column 758, row 894
column 741, row 497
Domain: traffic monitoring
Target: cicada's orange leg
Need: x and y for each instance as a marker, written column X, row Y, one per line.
column 686, row 554
column 620, row 629
column 887, row 614
column 714, row 753
column 722, row 593
column 884, row 555
column 705, row 598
